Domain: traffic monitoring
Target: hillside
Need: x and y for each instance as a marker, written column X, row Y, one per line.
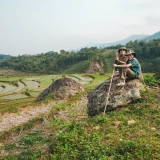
column 66, row 132
column 123, row 41
column 154, row 36
column 120, row 42
column 131, row 38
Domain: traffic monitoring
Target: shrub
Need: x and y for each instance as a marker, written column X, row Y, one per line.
column 151, row 81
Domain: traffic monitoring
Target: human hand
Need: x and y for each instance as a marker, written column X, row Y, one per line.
column 114, row 65
column 116, row 56
column 116, row 53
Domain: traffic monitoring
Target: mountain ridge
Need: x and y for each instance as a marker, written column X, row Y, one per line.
column 123, row 41
column 153, row 36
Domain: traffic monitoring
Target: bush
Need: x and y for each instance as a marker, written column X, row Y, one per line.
column 151, row 81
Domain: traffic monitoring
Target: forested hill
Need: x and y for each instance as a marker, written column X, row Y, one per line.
column 148, row 54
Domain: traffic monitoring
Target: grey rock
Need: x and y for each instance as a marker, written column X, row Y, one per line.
column 61, row 89
column 119, row 95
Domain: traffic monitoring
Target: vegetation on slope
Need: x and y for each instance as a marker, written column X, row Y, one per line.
column 100, row 137
column 111, row 137
column 67, row 132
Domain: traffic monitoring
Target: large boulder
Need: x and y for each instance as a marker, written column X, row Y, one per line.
column 119, row 96
column 62, row 89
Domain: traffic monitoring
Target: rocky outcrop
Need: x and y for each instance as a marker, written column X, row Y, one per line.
column 119, row 96
column 94, row 67
column 62, row 89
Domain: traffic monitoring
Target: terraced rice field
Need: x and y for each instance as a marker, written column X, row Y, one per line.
column 14, row 90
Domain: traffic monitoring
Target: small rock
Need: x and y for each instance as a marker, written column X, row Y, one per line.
column 117, row 123
column 153, row 128
column 3, row 152
column 131, row 122
column 1, row 144
column 97, row 127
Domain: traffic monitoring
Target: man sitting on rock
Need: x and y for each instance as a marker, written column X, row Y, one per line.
column 120, row 58
column 130, row 70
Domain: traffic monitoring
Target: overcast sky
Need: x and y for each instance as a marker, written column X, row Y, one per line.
column 39, row 26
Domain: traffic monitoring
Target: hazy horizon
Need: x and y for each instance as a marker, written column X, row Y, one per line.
column 37, row 26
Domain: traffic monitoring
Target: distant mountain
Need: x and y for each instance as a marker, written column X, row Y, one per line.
column 154, row 36
column 124, row 41
column 89, row 45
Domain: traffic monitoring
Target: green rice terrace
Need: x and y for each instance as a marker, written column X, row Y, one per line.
column 15, row 90
column 61, row 130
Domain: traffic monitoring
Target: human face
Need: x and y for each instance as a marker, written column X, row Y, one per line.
column 122, row 52
column 130, row 56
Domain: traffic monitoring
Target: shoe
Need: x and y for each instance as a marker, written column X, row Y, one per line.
column 120, row 84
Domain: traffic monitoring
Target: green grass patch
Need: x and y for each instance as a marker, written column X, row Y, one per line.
column 98, row 137
column 76, row 68
column 97, row 79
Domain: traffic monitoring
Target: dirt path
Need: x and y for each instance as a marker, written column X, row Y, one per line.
column 10, row 120
column 76, row 111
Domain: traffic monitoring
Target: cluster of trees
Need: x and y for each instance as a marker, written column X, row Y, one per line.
column 146, row 50
column 3, row 56
column 148, row 53
column 52, row 62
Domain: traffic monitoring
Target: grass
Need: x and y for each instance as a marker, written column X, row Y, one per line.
column 97, row 79
column 108, row 137
column 76, row 68
column 13, row 105
column 99, row 138
column 95, row 137
column 10, row 73
column 46, row 80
